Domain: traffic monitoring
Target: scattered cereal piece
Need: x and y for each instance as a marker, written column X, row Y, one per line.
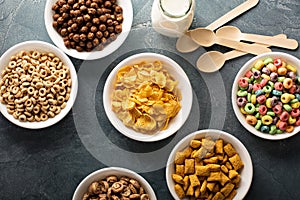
column 236, row 162
column 218, row 196
column 226, row 190
column 179, row 191
column 189, row 166
column 177, row 178
column 194, row 181
column 229, row 150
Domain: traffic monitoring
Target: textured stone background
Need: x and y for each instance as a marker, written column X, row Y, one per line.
column 49, row 163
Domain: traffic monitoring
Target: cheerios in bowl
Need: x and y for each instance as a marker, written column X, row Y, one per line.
column 38, row 84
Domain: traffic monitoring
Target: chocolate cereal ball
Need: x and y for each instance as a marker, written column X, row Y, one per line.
column 87, row 25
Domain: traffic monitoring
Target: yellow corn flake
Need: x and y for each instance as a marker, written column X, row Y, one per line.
column 145, row 97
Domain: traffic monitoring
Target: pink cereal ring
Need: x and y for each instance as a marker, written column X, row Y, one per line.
column 278, row 86
column 284, row 116
column 277, row 109
column 261, row 99
column 243, row 83
column 293, row 89
column 298, row 122
column 248, row 74
column 282, row 125
column 262, row 109
column 263, row 82
column 295, row 112
column 277, row 62
column 256, row 87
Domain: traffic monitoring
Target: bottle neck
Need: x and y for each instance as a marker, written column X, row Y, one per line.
column 175, row 8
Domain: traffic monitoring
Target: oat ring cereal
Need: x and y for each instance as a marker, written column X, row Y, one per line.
column 35, row 86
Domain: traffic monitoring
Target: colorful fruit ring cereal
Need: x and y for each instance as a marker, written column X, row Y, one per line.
column 268, row 96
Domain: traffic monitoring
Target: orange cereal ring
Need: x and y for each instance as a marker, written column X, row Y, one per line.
column 250, row 119
column 289, row 129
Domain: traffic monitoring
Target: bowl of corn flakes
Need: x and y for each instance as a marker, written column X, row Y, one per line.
column 209, row 164
column 147, row 97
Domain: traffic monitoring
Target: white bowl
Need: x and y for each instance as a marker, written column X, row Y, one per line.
column 285, row 57
column 41, row 47
column 183, row 84
column 103, row 173
column 246, row 173
column 108, row 49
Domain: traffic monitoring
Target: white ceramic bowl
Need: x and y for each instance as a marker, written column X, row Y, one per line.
column 246, row 173
column 108, row 49
column 183, row 84
column 41, row 47
column 285, row 57
column 103, row 173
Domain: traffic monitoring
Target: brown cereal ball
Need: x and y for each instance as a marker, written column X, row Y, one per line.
column 84, row 24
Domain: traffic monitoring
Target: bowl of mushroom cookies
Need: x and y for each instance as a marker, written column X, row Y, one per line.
column 114, row 183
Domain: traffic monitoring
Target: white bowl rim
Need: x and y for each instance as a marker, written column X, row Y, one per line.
column 248, row 166
column 236, row 109
column 108, row 49
column 59, row 53
column 131, row 174
column 160, row 135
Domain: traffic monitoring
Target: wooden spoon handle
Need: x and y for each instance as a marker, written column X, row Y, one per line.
column 185, row 44
column 278, row 42
column 249, row 48
column 235, row 53
column 232, row 14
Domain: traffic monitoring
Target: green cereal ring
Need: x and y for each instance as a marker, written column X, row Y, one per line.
column 294, row 101
column 273, row 130
column 242, row 93
column 267, row 120
column 249, row 97
column 257, row 115
column 271, row 84
column 267, row 89
column 271, row 113
column 268, row 60
column 249, row 108
column 278, row 131
column 287, row 107
column 251, row 79
column 280, row 79
column 258, row 125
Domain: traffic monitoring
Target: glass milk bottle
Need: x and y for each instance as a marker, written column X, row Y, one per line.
column 172, row 17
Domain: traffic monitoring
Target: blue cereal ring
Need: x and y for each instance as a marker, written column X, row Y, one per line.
column 265, row 129
column 276, row 92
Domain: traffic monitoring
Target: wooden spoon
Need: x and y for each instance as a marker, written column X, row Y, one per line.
column 233, row 32
column 185, row 44
column 206, row 38
column 213, row 60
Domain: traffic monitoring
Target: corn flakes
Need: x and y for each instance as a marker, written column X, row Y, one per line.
column 145, row 97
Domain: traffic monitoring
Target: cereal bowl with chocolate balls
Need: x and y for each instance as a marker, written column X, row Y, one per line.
column 114, row 183
column 88, row 29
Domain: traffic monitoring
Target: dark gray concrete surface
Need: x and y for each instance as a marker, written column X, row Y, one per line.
column 50, row 163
